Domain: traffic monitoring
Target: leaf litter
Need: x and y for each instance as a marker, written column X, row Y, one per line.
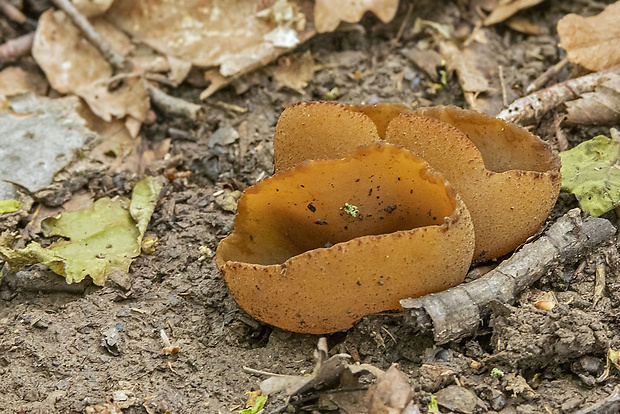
column 95, row 241
column 591, row 171
column 181, row 66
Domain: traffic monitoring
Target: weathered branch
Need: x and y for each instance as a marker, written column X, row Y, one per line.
column 456, row 313
column 172, row 105
column 531, row 108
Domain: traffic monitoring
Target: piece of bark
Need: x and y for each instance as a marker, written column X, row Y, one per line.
column 458, row 312
column 529, row 109
column 599, row 107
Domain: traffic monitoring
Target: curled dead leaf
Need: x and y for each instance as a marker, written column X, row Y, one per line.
column 593, row 42
column 73, row 65
column 327, row 17
column 599, row 107
column 505, row 9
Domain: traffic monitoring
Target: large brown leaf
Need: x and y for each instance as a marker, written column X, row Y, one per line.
column 233, row 35
column 73, row 65
column 327, row 17
column 592, row 42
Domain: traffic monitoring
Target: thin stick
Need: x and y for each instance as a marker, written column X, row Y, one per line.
column 503, row 85
column 529, row 109
column 253, row 371
column 540, row 81
column 112, row 56
column 16, row 48
column 401, row 30
column 458, row 312
column 12, row 12
column 172, row 105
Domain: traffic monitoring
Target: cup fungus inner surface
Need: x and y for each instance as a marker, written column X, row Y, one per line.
column 504, row 173
column 378, row 190
column 321, row 245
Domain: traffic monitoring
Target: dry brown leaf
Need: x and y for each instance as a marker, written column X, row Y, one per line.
column 523, row 25
column 119, row 41
column 179, row 69
column 327, row 15
column 15, row 80
column 593, row 42
column 477, row 68
column 295, row 71
column 390, row 395
column 599, row 107
column 240, row 34
column 506, row 8
column 90, row 8
column 465, row 64
column 427, row 60
column 73, row 65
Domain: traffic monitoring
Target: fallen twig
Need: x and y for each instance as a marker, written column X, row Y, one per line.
column 16, row 48
column 609, row 404
column 172, row 105
column 530, row 108
column 456, row 313
column 167, row 103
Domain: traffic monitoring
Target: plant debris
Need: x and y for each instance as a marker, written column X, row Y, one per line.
column 10, row 206
column 458, row 312
column 591, row 171
column 601, row 106
column 73, row 65
column 593, row 42
column 99, row 239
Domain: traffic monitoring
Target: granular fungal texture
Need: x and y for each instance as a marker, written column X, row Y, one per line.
column 412, row 235
column 508, row 178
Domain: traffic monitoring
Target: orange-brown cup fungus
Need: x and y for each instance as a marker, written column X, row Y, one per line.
column 321, row 245
column 508, row 178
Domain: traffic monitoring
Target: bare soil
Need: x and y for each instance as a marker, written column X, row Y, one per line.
column 63, row 348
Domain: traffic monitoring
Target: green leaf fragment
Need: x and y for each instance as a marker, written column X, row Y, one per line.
column 432, row 406
column 591, row 171
column 258, row 405
column 9, row 206
column 497, row 373
column 351, row 209
column 96, row 241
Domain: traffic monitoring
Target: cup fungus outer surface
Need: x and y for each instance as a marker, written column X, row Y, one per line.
column 508, row 178
column 410, row 236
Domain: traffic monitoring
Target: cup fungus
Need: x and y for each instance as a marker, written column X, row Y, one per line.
column 319, row 246
column 508, row 178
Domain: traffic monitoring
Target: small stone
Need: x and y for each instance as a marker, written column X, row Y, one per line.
column 40, row 324
column 460, row 400
column 62, row 384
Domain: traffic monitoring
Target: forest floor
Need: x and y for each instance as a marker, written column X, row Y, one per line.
column 54, row 357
